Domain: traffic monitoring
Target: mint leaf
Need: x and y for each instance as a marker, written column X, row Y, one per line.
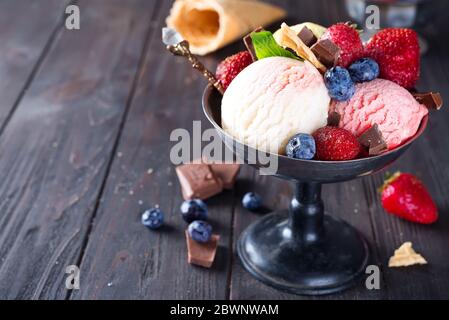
column 266, row 46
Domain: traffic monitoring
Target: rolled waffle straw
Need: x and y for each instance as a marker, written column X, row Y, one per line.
column 209, row 25
column 405, row 256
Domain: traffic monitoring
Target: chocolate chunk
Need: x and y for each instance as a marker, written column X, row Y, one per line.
column 432, row 100
column 227, row 173
column 307, row 36
column 373, row 140
column 249, row 44
column 333, row 119
column 326, row 52
column 202, row 254
column 198, row 181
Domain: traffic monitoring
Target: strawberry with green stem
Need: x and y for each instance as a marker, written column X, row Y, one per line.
column 405, row 196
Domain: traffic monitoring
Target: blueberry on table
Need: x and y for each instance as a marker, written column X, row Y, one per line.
column 200, row 231
column 153, row 218
column 301, row 146
column 339, row 83
column 192, row 210
column 252, row 201
column 363, row 70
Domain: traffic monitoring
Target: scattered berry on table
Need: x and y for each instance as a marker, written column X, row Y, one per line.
column 336, row 144
column 153, row 218
column 404, row 195
column 252, row 201
column 200, row 231
column 229, row 68
column 363, row 70
column 339, row 84
column 192, row 210
column 396, row 51
column 347, row 38
column 301, row 146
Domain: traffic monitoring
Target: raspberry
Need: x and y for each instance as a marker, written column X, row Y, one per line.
column 228, row 69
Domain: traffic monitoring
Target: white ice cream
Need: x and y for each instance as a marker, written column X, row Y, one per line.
column 272, row 100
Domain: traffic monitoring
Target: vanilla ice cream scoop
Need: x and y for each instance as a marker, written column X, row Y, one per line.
column 272, row 100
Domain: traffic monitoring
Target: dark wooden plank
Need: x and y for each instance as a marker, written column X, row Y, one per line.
column 24, row 42
column 57, row 147
column 346, row 200
column 428, row 159
column 123, row 259
column 358, row 203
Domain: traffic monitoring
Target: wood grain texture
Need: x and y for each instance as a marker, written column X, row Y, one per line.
column 345, row 200
column 428, row 159
column 27, row 29
column 57, row 146
column 123, row 259
column 87, row 151
column 358, row 201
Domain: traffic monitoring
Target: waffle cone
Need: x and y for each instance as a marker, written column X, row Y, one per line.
column 209, row 25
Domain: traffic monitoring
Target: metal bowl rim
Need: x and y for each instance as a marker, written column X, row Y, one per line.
column 208, row 91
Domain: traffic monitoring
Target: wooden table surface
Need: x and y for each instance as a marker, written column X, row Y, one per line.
column 85, row 114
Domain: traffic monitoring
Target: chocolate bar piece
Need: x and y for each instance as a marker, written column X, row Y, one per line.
column 249, row 44
column 226, row 172
column 307, row 36
column 198, row 181
column 432, row 100
column 202, row 254
column 373, row 140
column 333, row 119
column 326, row 52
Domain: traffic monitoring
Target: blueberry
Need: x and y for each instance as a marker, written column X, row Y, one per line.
column 339, row 83
column 301, row 146
column 200, row 231
column 192, row 210
column 153, row 218
column 363, row 70
column 252, row 201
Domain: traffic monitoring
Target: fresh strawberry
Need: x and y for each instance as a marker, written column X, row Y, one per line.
column 335, row 144
column 397, row 53
column 229, row 68
column 347, row 38
column 405, row 196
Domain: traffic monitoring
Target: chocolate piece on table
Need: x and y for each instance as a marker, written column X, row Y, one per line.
column 432, row 100
column 326, row 52
column 249, row 44
column 198, row 181
column 226, row 172
column 333, row 119
column 307, row 36
column 202, row 254
column 373, row 140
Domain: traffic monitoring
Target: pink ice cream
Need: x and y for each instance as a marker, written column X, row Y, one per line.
column 392, row 107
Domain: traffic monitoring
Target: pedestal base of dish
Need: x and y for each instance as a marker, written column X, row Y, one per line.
column 303, row 251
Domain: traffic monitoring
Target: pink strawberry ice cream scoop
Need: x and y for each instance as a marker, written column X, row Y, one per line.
column 392, row 107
